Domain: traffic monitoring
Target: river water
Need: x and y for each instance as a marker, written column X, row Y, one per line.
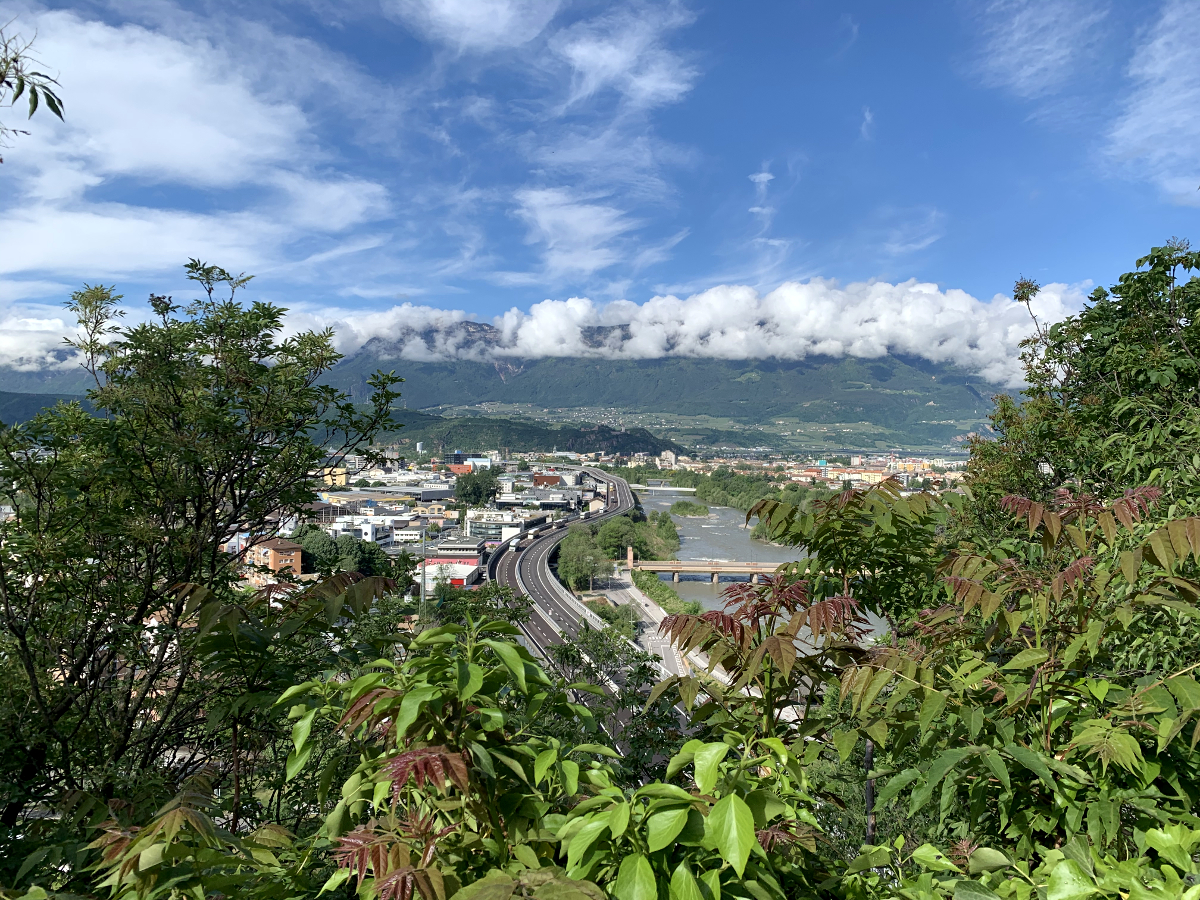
column 722, row 535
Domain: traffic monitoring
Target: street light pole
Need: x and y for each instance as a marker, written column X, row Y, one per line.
column 424, row 566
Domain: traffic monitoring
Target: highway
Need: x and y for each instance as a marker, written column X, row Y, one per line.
column 527, row 571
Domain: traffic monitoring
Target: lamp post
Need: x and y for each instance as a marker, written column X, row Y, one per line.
column 424, row 565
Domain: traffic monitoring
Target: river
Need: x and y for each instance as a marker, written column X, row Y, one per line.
column 722, row 535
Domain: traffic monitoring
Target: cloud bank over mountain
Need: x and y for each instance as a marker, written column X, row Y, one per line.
column 793, row 321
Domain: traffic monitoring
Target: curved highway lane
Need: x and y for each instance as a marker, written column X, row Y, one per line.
column 527, row 571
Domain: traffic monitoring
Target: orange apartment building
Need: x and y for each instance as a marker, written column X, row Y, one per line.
column 278, row 555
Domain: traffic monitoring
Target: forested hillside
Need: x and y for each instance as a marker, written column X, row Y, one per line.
column 890, row 391
column 1028, row 727
column 516, row 436
column 15, row 407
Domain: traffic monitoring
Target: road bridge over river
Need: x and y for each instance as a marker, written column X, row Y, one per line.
column 715, row 568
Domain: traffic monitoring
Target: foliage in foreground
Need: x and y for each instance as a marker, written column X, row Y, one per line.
column 1025, row 726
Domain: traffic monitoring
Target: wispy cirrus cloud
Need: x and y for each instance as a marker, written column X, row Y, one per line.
column 476, row 25
column 1033, row 47
column 1157, row 135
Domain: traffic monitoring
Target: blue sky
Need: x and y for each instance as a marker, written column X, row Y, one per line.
column 486, row 155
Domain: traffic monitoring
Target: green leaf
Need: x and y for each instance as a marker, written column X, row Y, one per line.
column 995, row 762
column 337, row 822
column 683, row 884
column 635, row 880
column 1069, row 882
column 294, row 691
column 872, row 859
column 1169, row 848
column 297, row 760
column 336, row 880
column 470, row 680
column 659, row 791
column 570, row 770
column 1031, row 761
column 893, row 787
column 931, row 708
column 973, row 890
column 618, row 819
column 495, row 885
column 985, row 859
column 1186, row 691
column 541, row 765
column 598, row 749
column 584, row 838
column 708, row 759
column 844, row 742
column 731, row 828
column 524, row 853
column 1027, row 659
column 32, row 860
column 511, row 659
column 765, row 806
column 932, row 858
column 302, row 729
column 410, row 708
column 664, row 827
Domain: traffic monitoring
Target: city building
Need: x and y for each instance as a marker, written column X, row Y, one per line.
column 458, row 574
column 462, row 550
column 278, row 555
column 495, row 525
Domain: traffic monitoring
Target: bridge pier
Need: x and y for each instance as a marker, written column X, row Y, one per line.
column 716, row 578
column 754, row 578
column 675, row 577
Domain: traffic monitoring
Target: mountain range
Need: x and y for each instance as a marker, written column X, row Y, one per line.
column 462, row 366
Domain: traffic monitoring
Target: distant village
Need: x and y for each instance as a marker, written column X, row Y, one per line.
column 414, row 506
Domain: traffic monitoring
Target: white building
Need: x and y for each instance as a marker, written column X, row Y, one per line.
column 457, row 574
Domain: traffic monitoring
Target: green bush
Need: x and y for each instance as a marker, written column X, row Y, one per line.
column 663, row 594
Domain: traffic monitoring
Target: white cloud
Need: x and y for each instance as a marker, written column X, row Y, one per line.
column 32, row 339
column 866, row 129
column 624, row 50
column 1157, row 136
column 915, row 231
column 147, row 106
column 794, row 321
column 762, row 179
column 1034, row 46
column 478, row 25
column 230, row 171
column 577, row 233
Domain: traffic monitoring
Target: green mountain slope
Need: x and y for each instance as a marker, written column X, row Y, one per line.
column 20, row 407
column 906, row 400
column 894, row 401
column 517, row 436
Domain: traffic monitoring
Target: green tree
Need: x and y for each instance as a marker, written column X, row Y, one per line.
column 1112, row 397
column 205, row 428
column 320, row 550
column 580, row 559
column 477, row 488
column 615, row 535
column 350, row 553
